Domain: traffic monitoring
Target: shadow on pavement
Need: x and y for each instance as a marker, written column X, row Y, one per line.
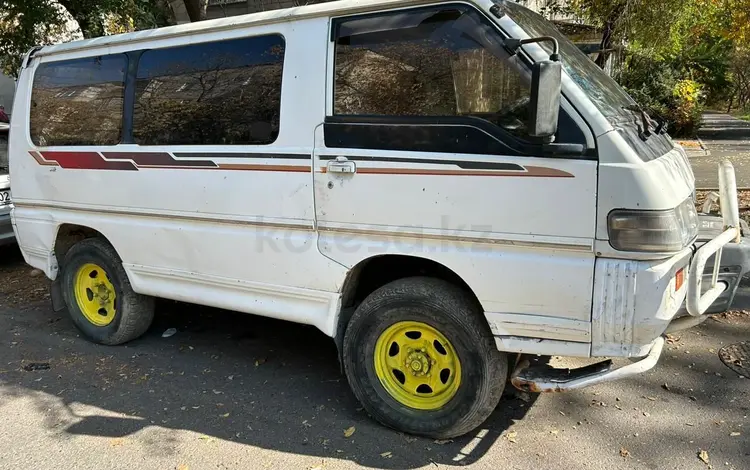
column 251, row 380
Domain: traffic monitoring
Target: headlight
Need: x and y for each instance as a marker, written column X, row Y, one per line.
column 653, row 231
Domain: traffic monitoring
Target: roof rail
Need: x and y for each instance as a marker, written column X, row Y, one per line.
column 28, row 57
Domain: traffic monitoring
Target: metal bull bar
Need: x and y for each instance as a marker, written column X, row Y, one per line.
column 696, row 302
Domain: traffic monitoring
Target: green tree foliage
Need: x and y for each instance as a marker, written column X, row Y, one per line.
column 677, row 54
column 91, row 15
column 23, row 24
column 27, row 23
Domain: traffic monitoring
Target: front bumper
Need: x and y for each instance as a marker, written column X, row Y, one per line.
column 541, row 379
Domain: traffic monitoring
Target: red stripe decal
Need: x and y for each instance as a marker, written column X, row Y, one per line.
column 86, row 161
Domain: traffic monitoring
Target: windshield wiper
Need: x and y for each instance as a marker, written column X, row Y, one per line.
column 645, row 132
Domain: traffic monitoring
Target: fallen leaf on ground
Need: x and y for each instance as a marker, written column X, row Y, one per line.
column 116, row 442
column 169, row 332
column 206, row 438
column 512, row 436
column 349, row 431
column 260, row 361
column 646, row 414
column 410, row 439
column 651, row 398
column 624, row 452
column 387, row 455
column 182, row 466
column 225, row 415
column 442, row 442
column 734, row 434
column 554, row 431
column 703, row 455
column 665, row 387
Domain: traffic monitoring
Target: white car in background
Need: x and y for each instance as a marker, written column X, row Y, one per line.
column 6, row 228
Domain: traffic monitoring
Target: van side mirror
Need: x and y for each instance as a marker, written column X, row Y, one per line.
column 546, row 86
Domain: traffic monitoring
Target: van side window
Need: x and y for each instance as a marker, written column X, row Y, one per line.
column 78, row 102
column 217, row 93
column 436, row 62
column 432, row 79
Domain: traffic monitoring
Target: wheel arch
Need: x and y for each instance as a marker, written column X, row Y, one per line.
column 67, row 235
column 374, row 272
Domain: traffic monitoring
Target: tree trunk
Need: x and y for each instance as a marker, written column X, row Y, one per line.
column 196, row 9
column 179, row 11
column 608, row 36
column 89, row 28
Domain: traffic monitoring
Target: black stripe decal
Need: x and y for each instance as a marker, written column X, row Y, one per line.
column 279, row 156
column 466, row 165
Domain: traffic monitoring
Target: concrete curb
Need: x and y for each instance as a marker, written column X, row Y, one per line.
column 703, row 146
column 691, row 151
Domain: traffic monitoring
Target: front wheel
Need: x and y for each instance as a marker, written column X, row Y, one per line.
column 420, row 358
column 99, row 297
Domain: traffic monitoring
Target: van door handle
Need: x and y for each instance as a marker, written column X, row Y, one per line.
column 341, row 165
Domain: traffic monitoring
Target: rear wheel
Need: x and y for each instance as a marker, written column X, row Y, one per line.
column 420, row 358
column 99, row 297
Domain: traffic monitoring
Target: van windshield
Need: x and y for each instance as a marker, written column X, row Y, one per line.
column 603, row 91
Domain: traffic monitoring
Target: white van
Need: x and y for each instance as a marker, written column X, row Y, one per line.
column 432, row 184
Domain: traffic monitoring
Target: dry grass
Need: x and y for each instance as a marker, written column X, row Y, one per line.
column 689, row 144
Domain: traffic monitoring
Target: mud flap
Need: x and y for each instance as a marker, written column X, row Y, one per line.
column 55, row 290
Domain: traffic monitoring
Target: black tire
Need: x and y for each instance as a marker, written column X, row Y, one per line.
column 133, row 312
column 455, row 314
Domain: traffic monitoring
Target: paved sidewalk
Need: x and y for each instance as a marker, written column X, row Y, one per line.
column 724, row 137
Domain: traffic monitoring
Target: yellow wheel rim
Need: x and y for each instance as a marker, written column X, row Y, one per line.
column 417, row 365
column 95, row 294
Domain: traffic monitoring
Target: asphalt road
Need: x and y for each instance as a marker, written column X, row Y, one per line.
column 232, row 391
column 724, row 137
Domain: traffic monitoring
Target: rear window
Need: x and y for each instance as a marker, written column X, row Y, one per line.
column 217, row 93
column 78, row 102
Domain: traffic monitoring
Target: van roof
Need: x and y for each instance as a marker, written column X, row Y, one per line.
column 240, row 21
